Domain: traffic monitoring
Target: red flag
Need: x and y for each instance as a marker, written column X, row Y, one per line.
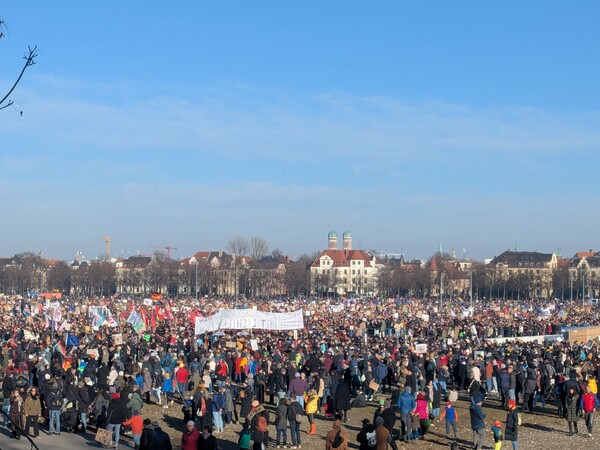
column 153, row 322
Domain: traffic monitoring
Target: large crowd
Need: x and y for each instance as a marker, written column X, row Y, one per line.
column 79, row 365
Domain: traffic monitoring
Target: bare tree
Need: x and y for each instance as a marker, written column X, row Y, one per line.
column 258, row 248
column 238, row 246
column 29, row 58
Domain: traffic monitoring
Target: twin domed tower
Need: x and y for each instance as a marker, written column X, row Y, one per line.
column 346, row 239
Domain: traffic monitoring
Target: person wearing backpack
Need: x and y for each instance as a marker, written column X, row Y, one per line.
column 260, row 433
column 336, row 438
column 367, row 438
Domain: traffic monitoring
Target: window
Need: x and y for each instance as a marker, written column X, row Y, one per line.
column 353, row 272
column 365, row 271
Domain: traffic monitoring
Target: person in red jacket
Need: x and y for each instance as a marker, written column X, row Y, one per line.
column 181, row 377
column 189, row 439
column 590, row 403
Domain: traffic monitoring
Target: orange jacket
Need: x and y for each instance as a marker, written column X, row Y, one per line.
column 137, row 424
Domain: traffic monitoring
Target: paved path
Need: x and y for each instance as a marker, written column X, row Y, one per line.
column 66, row 441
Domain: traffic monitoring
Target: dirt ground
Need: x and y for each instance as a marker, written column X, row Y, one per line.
column 540, row 430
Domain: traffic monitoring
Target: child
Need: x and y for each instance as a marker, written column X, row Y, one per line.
column 187, row 410
column 497, row 435
column 244, row 440
column 137, row 426
column 167, row 389
column 451, row 419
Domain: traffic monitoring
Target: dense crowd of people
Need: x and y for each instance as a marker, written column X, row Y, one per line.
column 81, row 364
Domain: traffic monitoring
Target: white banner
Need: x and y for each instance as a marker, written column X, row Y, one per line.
column 245, row 319
column 336, row 308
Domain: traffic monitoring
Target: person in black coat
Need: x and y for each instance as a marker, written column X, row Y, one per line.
column 207, row 441
column 117, row 414
column 148, row 437
column 84, row 400
column 341, row 400
column 163, row 441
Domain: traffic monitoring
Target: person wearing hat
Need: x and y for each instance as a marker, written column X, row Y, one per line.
column 406, row 405
column 367, row 438
column 511, row 430
column 117, row 414
column 497, row 435
column 190, row 436
column 137, row 426
column 477, row 423
column 332, row 436
column 383, row 437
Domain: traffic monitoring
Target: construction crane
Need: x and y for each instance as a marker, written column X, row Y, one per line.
column 168, row 248
column 107, row 242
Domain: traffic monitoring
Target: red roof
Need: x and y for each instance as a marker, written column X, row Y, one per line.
column 342, row 258
column 433, row 267
column 585, row 254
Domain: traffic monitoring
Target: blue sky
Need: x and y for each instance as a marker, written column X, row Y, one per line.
column 471, row 124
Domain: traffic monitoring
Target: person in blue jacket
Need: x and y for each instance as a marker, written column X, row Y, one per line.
column 406, row 405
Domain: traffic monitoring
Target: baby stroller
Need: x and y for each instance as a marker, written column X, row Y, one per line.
column 68, row 417
column 550, row 392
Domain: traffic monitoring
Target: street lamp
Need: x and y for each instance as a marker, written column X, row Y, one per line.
column 571, row 282
column 196, row 281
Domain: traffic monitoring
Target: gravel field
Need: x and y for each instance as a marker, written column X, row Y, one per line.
column 539, row 431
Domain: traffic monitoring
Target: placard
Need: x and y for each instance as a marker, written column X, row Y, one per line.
column 230, row 344
column 420, row 349
column 104, row 437
column 92, row 351
column 253, row 344
column 374, row 386
column 117, row 339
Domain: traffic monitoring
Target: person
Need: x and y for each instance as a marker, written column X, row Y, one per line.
column 312, row 405
column 148, row 438
column 341, row 400
column 281, row 414
column 190, row 436
column 84, row 400
column 511, row 430
column 332, row 436
column 422, row 410
column 32, row 408
column 163, row 441
column 406, row 405
column 207, row 441
column 259, row 430
column 137, row 425
column 117, row 414
column 294, row 416
column 571, row 410
column 54, row 403
column 477, row 423
column 16, row 414
column 367, row 438
column 451, row 416
column 590, row 403
column 218, row 409
column 497, row 435
column 245, row 437
column 383, row 436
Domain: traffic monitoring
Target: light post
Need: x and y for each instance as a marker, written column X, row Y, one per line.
column 471, row 287
column 582, row 287
column 571, row 282
column 196, row 281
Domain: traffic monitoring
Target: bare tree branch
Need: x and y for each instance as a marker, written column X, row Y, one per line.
column 29, row 61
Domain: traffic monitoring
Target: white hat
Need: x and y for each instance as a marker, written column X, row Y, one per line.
column 47, row 376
